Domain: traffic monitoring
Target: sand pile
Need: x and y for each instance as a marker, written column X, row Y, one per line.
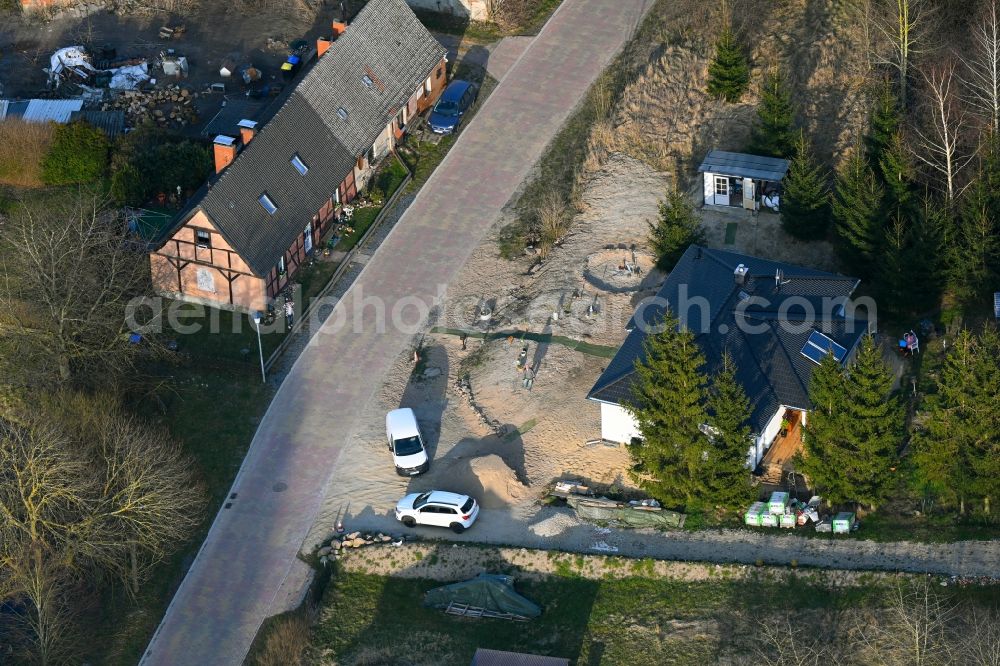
column 499, row 484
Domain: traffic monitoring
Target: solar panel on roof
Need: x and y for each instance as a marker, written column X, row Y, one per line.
column 819, row 345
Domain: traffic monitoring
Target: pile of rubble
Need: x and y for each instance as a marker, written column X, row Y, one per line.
column 172, row 106
column 464, row 387
column 331, row 549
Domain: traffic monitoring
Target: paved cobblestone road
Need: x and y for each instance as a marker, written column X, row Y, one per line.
column 239, row 576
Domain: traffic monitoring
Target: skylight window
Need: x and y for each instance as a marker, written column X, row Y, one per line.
column 367, row 80
column 342, row 112
column 267, row 203
column 819, row 345
column 299, row 165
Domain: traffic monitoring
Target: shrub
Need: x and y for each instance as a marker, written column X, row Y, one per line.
column 79, row 154
column 22, row 147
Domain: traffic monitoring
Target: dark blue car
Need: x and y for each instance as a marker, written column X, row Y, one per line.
column 454, row 102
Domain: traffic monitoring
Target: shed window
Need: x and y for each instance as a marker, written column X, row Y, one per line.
column 342, row 112
column 203, row 238
column 267, row 203
column 299, row 165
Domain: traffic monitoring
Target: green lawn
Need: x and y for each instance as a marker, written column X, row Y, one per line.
column 612, row 621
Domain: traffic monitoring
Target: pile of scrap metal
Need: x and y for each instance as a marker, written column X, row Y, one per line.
column 74, row 65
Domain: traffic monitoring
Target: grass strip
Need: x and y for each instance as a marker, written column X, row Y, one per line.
column 588, row 348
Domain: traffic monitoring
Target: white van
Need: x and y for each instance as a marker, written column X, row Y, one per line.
column 405, row 442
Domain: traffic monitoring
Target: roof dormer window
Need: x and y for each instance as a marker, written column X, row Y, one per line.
column 367, row 80
column 342, row 112
column 267, row 203
column 299, row 165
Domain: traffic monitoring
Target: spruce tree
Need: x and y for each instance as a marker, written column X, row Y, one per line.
column 856, row 211
column 729, row 71
column 972, row 245
column 805, row 205
column 854, row 430
column 773, row 134
column 883, row 123
column 826, row 446
column 985, row 454
column 876, row 426
column 957, row 448
column 898, row 176
column 909, row 275
column 727, row 479
column 668, row 401
column 677, row 228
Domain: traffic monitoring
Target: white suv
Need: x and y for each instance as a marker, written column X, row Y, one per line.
column 405, row 442
column 438, row 508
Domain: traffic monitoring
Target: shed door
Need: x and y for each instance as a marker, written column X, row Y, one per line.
column 722, row 190
column 748, row 194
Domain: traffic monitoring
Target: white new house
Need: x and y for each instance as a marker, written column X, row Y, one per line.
column 776, row 321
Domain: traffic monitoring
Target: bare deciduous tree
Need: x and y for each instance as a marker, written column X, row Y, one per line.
column 982, row 67
column 87, row 491
column 914, row 629
column 787, row 643
column 980, row 636
column 904, row 26
column 68, row 275
column 939, row 140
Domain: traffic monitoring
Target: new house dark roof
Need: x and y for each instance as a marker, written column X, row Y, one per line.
column 768, row 356
column 487, row 657
column 386, row 38
column 370, row 72
column 744, row 165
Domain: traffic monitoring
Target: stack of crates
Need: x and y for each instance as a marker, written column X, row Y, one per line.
column 843, row 522
column 754, row 514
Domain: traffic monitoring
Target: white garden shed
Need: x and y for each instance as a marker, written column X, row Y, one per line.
column 740, row 179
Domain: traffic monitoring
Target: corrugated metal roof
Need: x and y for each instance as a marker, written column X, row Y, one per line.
column 56, row 110
column 112, row 122
column 487, row 657
column 744, row 165
column 387, row 39
column 769, row 362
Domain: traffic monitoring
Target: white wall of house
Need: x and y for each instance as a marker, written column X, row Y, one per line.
column 617, row 425
column 477, row 10
column 765, row 438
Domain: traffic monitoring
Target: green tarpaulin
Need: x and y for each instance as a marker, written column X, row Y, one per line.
column 492, row 592
column 605, row 510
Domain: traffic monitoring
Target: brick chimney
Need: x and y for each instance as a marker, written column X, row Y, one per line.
column 322, row 46
column 338, row 28
column 248, row 130
column 225, row 151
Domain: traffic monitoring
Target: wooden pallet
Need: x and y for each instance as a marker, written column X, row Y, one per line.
column 465, row 610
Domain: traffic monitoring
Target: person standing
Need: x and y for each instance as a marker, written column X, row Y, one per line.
column 289, row 313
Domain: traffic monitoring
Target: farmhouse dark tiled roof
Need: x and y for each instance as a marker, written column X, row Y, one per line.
column 387, row 44
column 770, row 365
column 385, row 39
